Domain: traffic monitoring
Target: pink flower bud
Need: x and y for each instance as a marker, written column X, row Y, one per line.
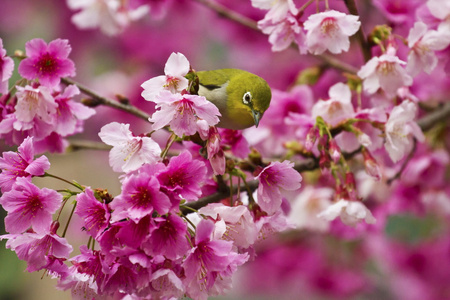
column 311, row 138
column 350, row 185
column 334, row 151
column 372, row 167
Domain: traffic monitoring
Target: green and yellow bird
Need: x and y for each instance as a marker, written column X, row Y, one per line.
column 241, row 97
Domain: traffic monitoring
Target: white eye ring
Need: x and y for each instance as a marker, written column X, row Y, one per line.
column 247, row 98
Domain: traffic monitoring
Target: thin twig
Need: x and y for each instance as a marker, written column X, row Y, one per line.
column 352, row 9
column 229, row 14
column 440, row 114
column 108, row 102
column 76, row 145
column 216, row 197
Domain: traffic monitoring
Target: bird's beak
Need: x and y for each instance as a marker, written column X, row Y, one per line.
column 256, row 116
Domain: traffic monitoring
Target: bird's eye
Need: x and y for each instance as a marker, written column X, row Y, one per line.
column 247, row 98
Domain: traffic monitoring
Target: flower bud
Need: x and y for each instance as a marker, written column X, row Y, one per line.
column 370, row 164
column 311, row 138
column 350, row 185
column 334, row 151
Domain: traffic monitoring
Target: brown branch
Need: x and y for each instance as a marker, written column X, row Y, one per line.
column 438, row 115
column 108, row 102
column 230, row 14
column 364, row 45
column 76, row 145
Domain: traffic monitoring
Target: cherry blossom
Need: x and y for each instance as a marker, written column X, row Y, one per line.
column 29, row 206
column 6, row 69
column 69, row 113
column 350, row 212
column 423, row 43
column 111, row 16
column 232, row 223
column 336, row 109
column 385, row 72
column 21, row 164
column 274, row 179
column 305, row 207
column 38, row 249
column 209, row 262
column 95, row 214
column 400, row 129
column 284, row 32
column 140, row 196
column 129, row 152
column 177, row 66
column 330, row 30
column 183, row 177
column 48, row 63
column 181, row 112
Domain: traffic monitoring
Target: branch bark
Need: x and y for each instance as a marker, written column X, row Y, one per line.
column 108, row 102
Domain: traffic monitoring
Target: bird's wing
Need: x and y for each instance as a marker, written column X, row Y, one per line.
column 214, row 79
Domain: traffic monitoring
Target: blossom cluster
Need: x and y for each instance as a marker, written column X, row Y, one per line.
column 147, row 246
column 39, row 106
column 340, row 161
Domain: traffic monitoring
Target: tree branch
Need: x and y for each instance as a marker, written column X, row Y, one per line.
column 108, row 102
column 76, row 145
column 440, row 114
column 229, row 14
column 352, row 9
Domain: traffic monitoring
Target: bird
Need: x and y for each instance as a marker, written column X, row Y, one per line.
column 241, row 97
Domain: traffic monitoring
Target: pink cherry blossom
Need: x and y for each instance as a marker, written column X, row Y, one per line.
column 6, row 69
column 181, row 112
column 423, row 43
column 129, row 152
column 69, row 113
column 284, row 32
column 87, row 276
column 400, row 128
column 166, row 284
column 236, row 223
column 330, row 30
column 183, row 177
column 111, row 16
column 268, row 225
column 38, row 249
column 336, row 109
column 177, row 66
column 168, row 238
column 29, row 206
column 93, row 212
column 126, row 234
column 48, row 63
column 235, row 140
column 209, row 262
column 21, row 164
column 216, row 156
column 34, row 103
column 350, row 212
column 307, row 205
column 277, row 9
column 274, row 179
column 140, row 197
column 385, row 72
